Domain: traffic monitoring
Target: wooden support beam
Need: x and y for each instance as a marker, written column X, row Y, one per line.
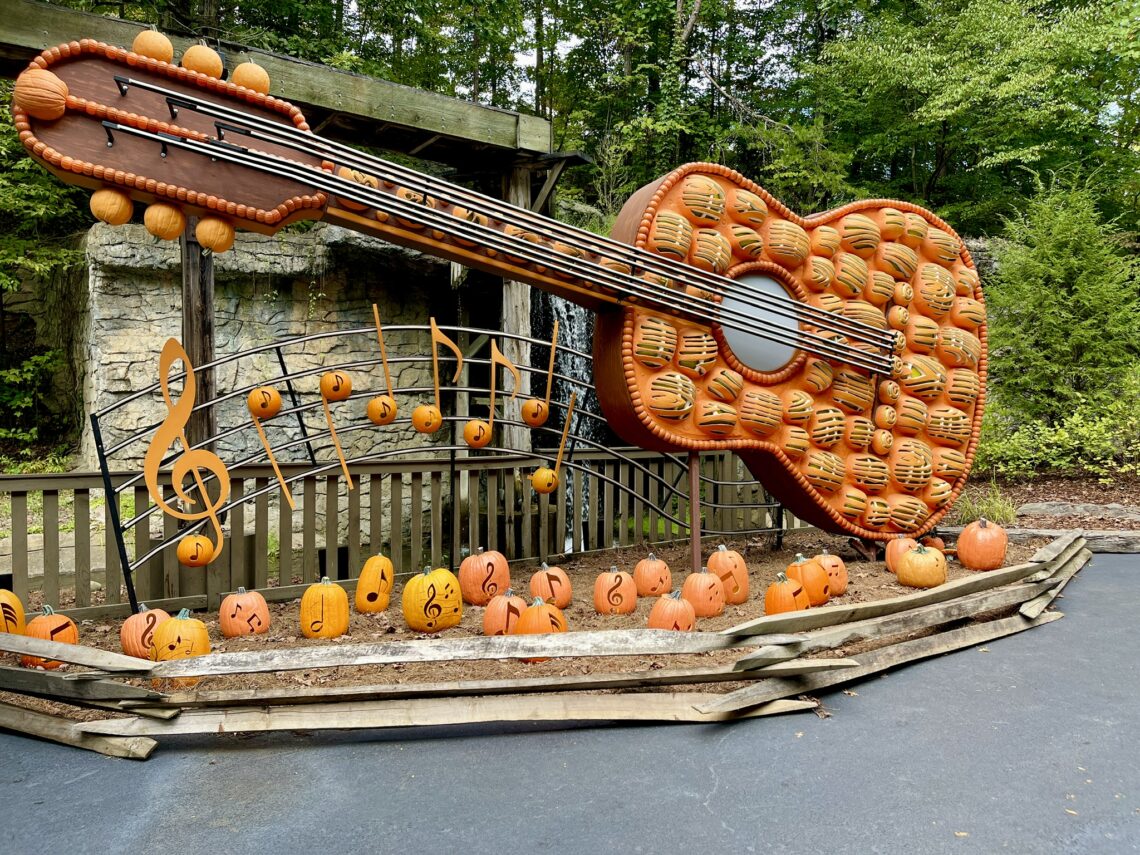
column 1038, row 604
column 46, row 684
column 74, row 654
column 32, row 723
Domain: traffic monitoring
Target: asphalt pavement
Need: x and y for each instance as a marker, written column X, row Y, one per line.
column 1026, row 745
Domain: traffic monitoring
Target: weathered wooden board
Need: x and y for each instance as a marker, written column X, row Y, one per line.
column 1054, row 548
column 1060, row 558
column 1038, row 604
column 56, row 729
column 51, row 685
column 74, row 654
column 874, row 661
column 421, row 712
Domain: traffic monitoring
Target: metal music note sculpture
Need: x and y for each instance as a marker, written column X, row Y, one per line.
column 841, row 355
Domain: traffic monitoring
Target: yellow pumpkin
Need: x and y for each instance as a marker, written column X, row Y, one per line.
column 214, row 234
column 920, row 567
column 11, row 613
column 114, row 207
column 153, row 44
column 251, row 76
column 40, row 94
column 203, row 59
column 432, row 601
column 324, row 610
column 164, row 221
column 374, row 587
column 181, row 637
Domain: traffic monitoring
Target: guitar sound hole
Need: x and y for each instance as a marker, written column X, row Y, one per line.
column 758, row 353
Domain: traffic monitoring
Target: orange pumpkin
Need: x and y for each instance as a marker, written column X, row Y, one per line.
column 251, row 76
column 11, row 613
column 539, row 618
column 544, row 480
column 920, row 567
column 477, row 433
column 374, row 587
column 483, row 575
column 196, row 550
column 809, row 573
column 114, row 207
column 982, row 545
column 164, row 221
column 895, row 549
column 324, row 610
column 785, row 595
column 215, row 234
column 264, row 402
column 705, row 591
column 137, row 631
column 502, row 613
column 935, row 542
column 551, row 583
column 153, row 44
column 432, row 601
column 243, row 613
column 203, row 59
column 382, row 410
column 336, row 385
column 672, row 611
column 51, row 627
column 651, row 576
column 730, row 568
column 615, row 593
column 535, row 412
column 41, row 94
column 426, row 418
column 836, row 572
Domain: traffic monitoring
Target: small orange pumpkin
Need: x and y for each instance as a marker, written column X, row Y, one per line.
column 705, row 591
column 652, row 577
column 551, row 583
column 114, row 207
column 535, row 412
column 672, row 611
column 836, row 572
column 264, row 402
column 41, row 94
column 809, row 573
column 374, row 587
column 982, row 545
column 432, row 601
column 382, row 410
column 539, row 618
column 251, row 76
column 544, row 480
column 477, row 433
column 324, row 610
column 615, row 593
column 426, row 418
column 203, row 59
column 11, row 613
column 243, row 613
column 483, row 575
column 196, row 550
column 164, row 221
column 895, row 549
column 153, row 44
column 935, row 542
column 920, row 567
column 785, row 595
column 52, row 627
column 730, row 568
column 137, row 631
column 502, row 613
column 336, row 386
column 215, row 234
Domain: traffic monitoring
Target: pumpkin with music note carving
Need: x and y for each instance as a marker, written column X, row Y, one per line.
column 181, row 637
column 729, row 566
column 652, row 577
column 483, row 575
column 502, row 612
column 432, row 600
column 324, row 610
column 137, row 631
column 809, row 573
column 705, row 591
column 52, row 627
column 195, row 550
column 374, row 587
column 836, row 572
column 243, row 613
column 336, row 385
column 11, row 613
column 785, row 595
column 672, row 611
column 551, row 583
column 615, row 593
column 539, row 618
column 426, row 418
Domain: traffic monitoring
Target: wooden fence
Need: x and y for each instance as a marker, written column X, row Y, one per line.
column 62, row 540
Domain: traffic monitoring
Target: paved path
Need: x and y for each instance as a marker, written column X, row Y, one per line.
column 1031, row 747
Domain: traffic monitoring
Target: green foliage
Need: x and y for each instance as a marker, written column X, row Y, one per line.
column 21, row 390
column 993, row 505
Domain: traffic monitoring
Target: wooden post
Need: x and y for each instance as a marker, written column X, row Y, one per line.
column 516, row 312
column 198, row 328
column 695, row 509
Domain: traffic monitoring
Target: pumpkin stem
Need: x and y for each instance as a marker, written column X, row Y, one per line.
column 240, row 589
column 544, row 567
column 325, row 580
column 983, row 522
column 799, row 558
column 183, row 614
column 48, row 610
column 652, row 557
column 538, row 601
column 676, row 595
column 781, row 576
column 143, row 608
column 722, row 548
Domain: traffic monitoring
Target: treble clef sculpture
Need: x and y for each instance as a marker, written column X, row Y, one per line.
column 192, row 460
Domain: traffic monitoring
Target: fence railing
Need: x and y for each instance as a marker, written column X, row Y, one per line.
column 61, row 538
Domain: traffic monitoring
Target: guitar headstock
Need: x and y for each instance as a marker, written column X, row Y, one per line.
column 135, row 127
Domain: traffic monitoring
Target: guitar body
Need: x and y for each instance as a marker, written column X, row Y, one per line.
column 731, row 324
column 842, row 448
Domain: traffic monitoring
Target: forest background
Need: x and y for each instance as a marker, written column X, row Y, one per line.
column 1015, row 120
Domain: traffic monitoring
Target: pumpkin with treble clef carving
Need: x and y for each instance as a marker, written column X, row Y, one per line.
column 324, row 610
column 483, row 575
column 11, row 613
column 137, row 631
column 432, row 600
column 615, row 593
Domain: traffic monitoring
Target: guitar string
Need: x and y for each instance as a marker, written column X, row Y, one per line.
column 510, row 246
column 497, row 209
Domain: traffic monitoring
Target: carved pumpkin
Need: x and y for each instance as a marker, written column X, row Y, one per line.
column 813, row 577
column 920, row 567
column 264, row 402
column 615, row 593
column 336, row 385
column 251, row 76
column 651, row 576
column 432, row 600
column 382, row 410
column 544, row 480
column 551, row 583
column 539, row 618
column 982, row 545
column 672, row 611
column 11, row 613
column 730, row 568
column 535, row 412
column 483, row 575
column 895, row 549
column 502, row 613
column 324, row 610
column 196, row 550
column 137, row 631
column 51, row 627
column 243, row 613
column 836, row 572
column 153, row 44
column 166, row 222
column 181, row 637
column 426, row 418
column 114, row 207
column 705, row 591
column 203, row 59
column 374, row 587
column 214, row 234
column 785, row 595
column 41, row 94
column 477, row 433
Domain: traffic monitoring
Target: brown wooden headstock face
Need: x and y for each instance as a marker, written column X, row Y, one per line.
column 77, row 147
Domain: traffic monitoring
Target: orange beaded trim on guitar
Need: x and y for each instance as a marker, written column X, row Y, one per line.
column 843, row 356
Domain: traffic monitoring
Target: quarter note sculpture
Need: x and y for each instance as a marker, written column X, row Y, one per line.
column 190, row 461
column 264, row 403
column 477, row 433
column 842, row 355
column 382, row 409
column 336, row 386
column 535, row 412
column 428, row 418
column 544, row 479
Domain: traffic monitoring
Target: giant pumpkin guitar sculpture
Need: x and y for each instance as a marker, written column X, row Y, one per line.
column 842, row 355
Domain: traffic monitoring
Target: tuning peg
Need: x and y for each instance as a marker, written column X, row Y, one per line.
column 203, row 59
column 40, row 94
column 153, row 44
column 214, row 233
column 113, row 207
column 251, row 76
column 164, row 221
